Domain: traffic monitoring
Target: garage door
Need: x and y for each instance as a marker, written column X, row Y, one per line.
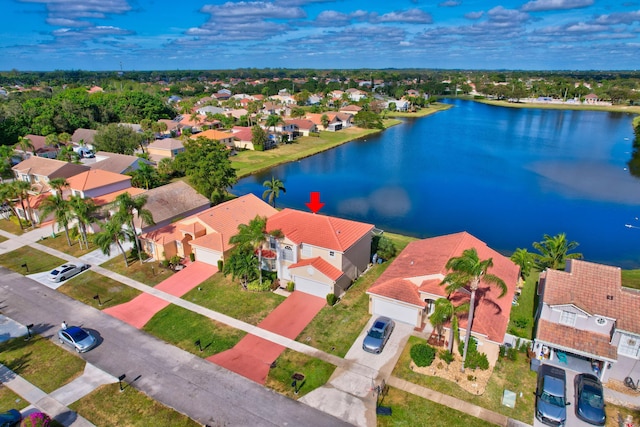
column 311, row 287
column 208, row 257
column 395, row 311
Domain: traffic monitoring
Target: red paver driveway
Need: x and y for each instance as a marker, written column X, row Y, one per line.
column 142, row 308
column 253, row 355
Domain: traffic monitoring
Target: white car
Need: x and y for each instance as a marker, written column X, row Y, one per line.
column 66, row 271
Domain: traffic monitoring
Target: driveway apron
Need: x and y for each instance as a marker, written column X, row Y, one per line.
column 252, row 356
column 142, row 308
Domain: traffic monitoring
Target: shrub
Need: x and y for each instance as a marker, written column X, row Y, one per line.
column 192, row 257
column 512, row 354
column 175, row 259
column 255, row 286
column 36, row 419
column 521, row 322
column 164, row 263
column 332, row 299
column 291, row 286
column 475, row 359
column 220, row 265
column 422, row 354
column 446, row 355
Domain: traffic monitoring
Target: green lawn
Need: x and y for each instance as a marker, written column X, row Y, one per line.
column 10, row 400
column 11, row 226
column 431, row 109
column 631, row 279
column 149, row 273
column 107, row 406
column 512, row 375
column 3, row 239
column 41, row 362
column 522, row 318
column 182, row 328
column 220, row 294
column 60, row 243
column 37, row 261
column 409, row 410
column 249, row 162
column 315, row 371
column 85, row 286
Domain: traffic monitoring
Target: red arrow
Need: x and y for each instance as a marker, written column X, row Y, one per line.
column 315, row 204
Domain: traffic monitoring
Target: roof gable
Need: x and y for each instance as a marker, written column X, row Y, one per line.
column 95, row 178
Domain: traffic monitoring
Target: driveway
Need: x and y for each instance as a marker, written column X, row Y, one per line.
column 252, row 356
column 142, row 308
column 349, row 392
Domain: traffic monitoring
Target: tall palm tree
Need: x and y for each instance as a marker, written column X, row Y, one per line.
column 467, row 272
column 127, row 208
column 523, row 259
column 22, row 189
column 554, row 251
column 273, row 188
column 112, row 231
column 25, row 145
column 83, row 211
column 252, row 235
column 444, row 312
column 8, row 197
column 274, row 120
column 56, row 204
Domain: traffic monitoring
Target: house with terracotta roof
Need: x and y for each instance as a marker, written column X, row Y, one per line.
column 409, row 287
column 115, row 162
column 336, row 121
column 320, row 254
column 96, row 183
column 165, row 148
column 40, row 148
column 588, row 321
column 205, row 234
column 242, row 137
column 216, row 135
column 303, row 127
column 39, row 171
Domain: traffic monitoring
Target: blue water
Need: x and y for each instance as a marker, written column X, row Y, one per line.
column 506, row 175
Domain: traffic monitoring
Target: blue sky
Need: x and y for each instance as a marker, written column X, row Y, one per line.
column 200, row 34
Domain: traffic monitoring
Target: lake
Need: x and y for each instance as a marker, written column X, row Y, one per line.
column 506, row 175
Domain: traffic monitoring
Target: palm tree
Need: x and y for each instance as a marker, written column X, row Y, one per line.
column 523, row 259
column 25, row 144
column 273, row 189
column 112, row 231
column 8, row 196
column 252, row 236
column 83, row 211
column 241, row 264
column 127, row 207
column 22, row 189
column 468, row 271
column 273, row 120
column 56, row 204
column 554, row 251
column 444, row 312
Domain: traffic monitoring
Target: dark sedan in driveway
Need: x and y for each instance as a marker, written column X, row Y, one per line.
column 589, row 399
column 77, row 338
column 378, row 335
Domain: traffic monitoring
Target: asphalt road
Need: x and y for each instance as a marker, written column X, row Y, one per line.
column 202, row 390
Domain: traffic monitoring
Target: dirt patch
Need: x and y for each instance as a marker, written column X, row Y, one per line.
column 620, row 387
column 472, row 381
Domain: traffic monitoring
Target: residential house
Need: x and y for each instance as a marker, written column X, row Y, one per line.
column 165, row 148
column 205, row 234
column 40, row 148
column 96, row 184
column 400, row 104
column 216, row 135
column 320, row 254
column 410, row 286
column 356, row 94
column 116, row 163
column 586, row 320
column 210, row 109
column 84, row 137
column 303, row 127
column 591, row 99
column 242, row 137
column 350, row 109
column 336, row 121
column 173, row 128
column 172, row 202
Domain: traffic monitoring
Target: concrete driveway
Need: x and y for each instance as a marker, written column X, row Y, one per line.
column 349, row 392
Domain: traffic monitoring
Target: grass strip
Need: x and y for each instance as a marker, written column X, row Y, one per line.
column 316, row 373
column 36, row 261
column 84, row 287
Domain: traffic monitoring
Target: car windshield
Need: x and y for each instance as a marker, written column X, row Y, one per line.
column 375, row 333
column 551, row 399
column 592, row 397
column 55, row 272
column 78, row 334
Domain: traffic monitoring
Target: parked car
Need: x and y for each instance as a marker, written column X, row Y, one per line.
column 77, row 338
column 11, row 418
column 378, row 335
column 551, row 397
column 589, row 399
column 66, row 271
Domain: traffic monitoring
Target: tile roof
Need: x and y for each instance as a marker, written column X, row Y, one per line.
column 242, row 133
column 576, row 340
column 423, row 264
column 596, row 289
column 114, row 162
column 49, row 167
column 321, row 265
column 319, row 230
column 38, row 142
column 301, row 123
column 110, row 197
column 213, row 134
column 85, row 135
column 95, row 178
column 166, row 144
column 171, row 200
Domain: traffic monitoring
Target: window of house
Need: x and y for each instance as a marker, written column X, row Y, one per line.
column 272, row 243
column 306, row 251
column 629, row 345
column 568, row 318
column 332, row 254
column 287, row 253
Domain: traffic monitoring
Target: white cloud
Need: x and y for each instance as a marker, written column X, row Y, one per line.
column 411, row 16
column 450, row 3
column 542, row 5
column 474, row 15
column 627, row 18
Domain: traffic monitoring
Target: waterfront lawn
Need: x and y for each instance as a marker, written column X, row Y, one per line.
column 106, row 406
column 149, row 273
column 41, row 362
column 59, row 242
column 411, row 410
column 507, row 374
column 423, row 112
column 37, row 261
column 546, row 106
column 249, row 161
column 316, row 373
column 182, row 328
column 85, row 286
column 335, row 329
column 631, row 279
column 219, row 293
column 522, row 318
